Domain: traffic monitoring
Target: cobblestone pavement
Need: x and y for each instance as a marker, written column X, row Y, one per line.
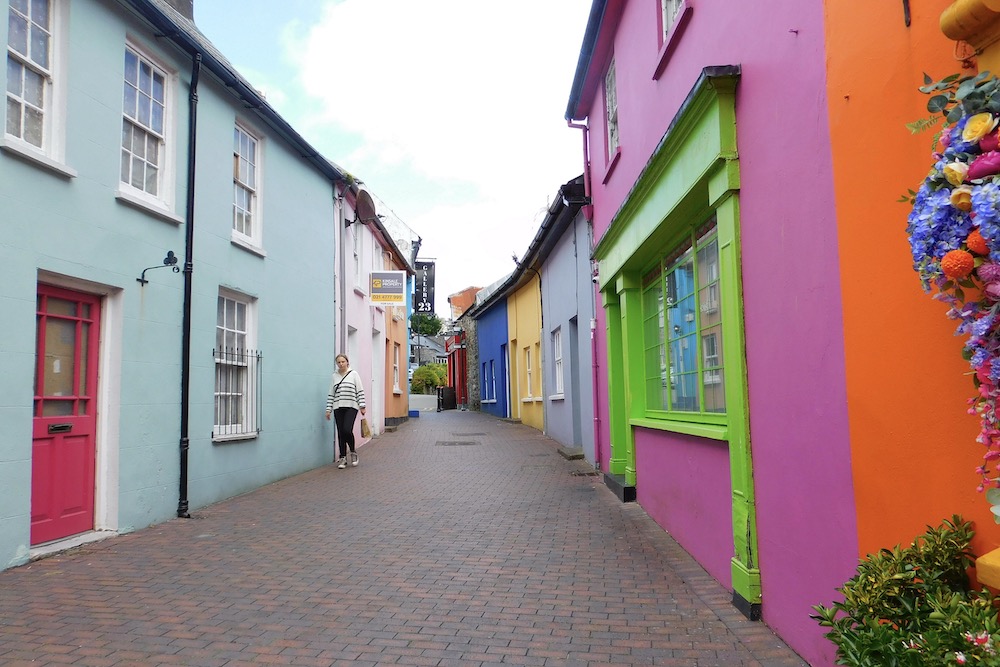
column 460, row 539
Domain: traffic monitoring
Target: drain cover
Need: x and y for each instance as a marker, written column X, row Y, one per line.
column 455, row 443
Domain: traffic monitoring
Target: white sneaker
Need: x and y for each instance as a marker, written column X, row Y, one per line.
column 354, row 458
column 342, row 463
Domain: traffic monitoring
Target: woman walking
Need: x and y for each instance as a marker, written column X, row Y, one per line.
column 344, row 400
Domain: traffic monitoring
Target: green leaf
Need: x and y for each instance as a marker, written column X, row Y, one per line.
column 927, row 78
column 965, row 89
column 937, row 103
column 993, row 496
column 954, row 115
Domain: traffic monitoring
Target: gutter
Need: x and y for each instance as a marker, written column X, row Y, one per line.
column 172, row 28
column 183, row 33
column 562, row 210
column 597, row 12
column 185, row 443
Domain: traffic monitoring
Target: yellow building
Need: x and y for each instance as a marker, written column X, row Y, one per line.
column 524, row 321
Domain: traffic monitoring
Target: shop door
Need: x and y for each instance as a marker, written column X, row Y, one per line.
column 65, row 414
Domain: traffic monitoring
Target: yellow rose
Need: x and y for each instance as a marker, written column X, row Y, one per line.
column 979, row 126
column 961, row 198
column 955, row 172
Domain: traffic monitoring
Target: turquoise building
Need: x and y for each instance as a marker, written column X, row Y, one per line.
column 168, row 262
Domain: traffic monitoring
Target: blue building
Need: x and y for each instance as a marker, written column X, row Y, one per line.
column 494, row 368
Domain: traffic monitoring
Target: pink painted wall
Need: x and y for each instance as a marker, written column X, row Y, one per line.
column 684, row 481
column 795, row 358
column 360, row 316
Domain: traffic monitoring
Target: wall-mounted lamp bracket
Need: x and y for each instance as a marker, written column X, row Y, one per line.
column 170, row 260
column 906, row 12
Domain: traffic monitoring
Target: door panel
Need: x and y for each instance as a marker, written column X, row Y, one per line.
column 65, row 419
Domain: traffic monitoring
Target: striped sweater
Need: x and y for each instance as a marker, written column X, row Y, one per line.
column 345, row 392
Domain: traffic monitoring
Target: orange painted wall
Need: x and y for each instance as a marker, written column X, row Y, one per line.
column 913, row 444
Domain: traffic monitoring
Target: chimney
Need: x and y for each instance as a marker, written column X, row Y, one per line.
column 185, row 7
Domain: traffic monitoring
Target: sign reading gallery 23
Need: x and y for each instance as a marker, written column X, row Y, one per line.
column 387, row 287
column 423, row 301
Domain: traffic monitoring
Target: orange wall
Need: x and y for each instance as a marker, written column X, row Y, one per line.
column 913, row 444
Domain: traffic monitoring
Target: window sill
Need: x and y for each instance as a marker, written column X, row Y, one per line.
column 673, row 37
column 612, row 163
column 487, row 401
column 396, row 391
column 245, row 244
column 360, row 292
column 698, row 429
column 529, row 399
column 557, row 397
column 35, row 157
column 157, row 210
column 222, row 439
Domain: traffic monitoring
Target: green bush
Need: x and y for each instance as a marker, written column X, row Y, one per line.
column 428, row 377
column 913, row 607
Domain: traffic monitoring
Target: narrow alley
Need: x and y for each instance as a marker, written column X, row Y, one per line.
column 460, row 539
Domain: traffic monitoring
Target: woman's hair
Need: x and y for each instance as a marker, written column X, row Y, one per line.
column 344, row 356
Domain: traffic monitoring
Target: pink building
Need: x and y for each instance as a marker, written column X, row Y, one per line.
column 735, row 240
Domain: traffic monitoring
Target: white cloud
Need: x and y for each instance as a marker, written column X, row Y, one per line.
column 466, row 95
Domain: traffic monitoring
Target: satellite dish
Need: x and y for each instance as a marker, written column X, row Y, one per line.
column 365, row 208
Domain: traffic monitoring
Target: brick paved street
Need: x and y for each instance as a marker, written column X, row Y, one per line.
column 459, row 540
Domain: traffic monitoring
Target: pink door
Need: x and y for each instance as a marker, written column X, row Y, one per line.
column 65, row 417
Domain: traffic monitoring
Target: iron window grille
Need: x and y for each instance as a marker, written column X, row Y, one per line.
column 237, row 393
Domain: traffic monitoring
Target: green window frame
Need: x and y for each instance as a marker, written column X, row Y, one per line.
column 684, row 373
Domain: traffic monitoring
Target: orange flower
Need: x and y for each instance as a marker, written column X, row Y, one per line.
column 957, row 264
column 976, row 243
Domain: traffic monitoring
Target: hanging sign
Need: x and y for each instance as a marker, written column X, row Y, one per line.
column 423, row 301
column 387, row 287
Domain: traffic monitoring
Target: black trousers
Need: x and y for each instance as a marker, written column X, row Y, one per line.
column 344, row 418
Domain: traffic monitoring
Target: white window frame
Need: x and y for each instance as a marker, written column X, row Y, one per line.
column 51, row 153
column 395, row 368
column 527, row 371
column 249, row 167
column 710, row 358
column 358, row 255
column 244, row 337
column 670, row 10
column 163, row 200
column 493, row 381
column 611, row 108
column 557, row 363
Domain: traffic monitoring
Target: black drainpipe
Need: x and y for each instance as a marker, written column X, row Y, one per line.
column 182, row 502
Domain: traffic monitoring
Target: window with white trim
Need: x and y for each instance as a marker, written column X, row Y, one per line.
column 246, row 210
column 395, row 367
column 611, row 108
column 668, row 14
column 557, row 360
column 493, row 381
column 358, row 254
column 527, row 369
column 143, row 162
column 30, row 72
column 237, row 368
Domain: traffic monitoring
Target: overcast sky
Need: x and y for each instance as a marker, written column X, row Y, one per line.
column 450, row 111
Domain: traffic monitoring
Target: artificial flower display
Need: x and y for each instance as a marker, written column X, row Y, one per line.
column 954, row 233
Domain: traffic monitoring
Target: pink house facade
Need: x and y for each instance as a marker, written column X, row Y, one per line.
column 716, row 240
